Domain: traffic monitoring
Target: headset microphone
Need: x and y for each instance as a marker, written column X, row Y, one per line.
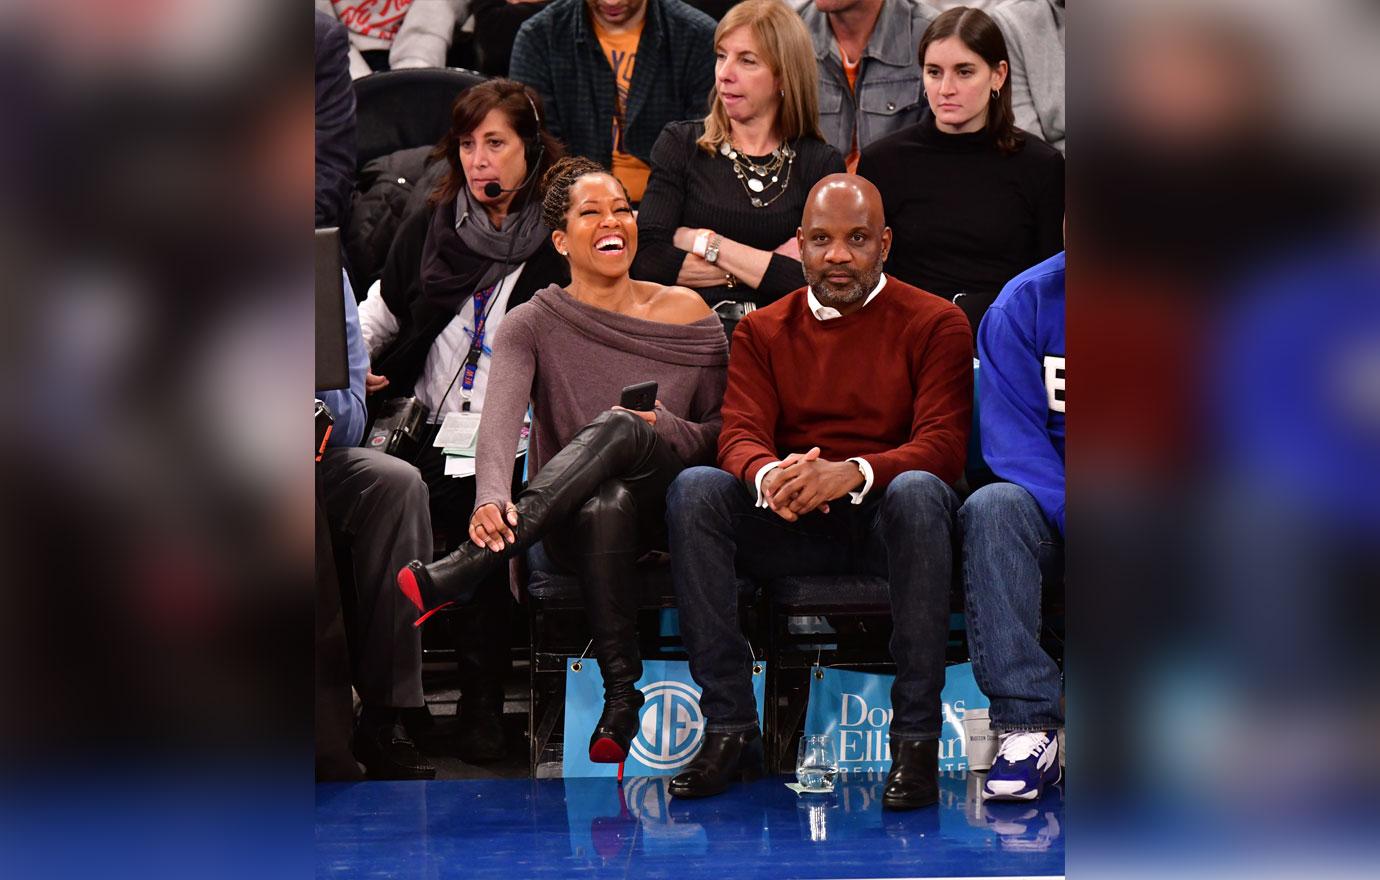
column 493, row 190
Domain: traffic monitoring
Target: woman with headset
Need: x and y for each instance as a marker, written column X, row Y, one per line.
column 453, row 274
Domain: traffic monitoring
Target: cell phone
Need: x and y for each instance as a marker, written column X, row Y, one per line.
column 639, row 398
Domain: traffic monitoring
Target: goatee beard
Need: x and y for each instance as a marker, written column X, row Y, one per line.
column 855, row 292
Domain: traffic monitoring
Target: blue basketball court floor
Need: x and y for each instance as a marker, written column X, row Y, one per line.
column 573, row 828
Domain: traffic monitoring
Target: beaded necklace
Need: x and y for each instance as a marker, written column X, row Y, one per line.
column 757, row 179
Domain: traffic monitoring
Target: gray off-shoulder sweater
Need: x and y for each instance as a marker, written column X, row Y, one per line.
column 572, row 361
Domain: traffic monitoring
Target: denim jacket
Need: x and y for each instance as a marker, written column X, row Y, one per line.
column 889, row 94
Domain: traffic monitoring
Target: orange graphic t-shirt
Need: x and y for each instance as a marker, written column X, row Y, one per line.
column 621, row 51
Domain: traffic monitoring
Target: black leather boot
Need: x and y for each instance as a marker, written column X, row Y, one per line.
column 617, row 725
column 914, row 778
column 723, row 759
column 610, row 446
column 604, row 544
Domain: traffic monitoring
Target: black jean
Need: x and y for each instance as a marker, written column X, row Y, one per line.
column 903, row 533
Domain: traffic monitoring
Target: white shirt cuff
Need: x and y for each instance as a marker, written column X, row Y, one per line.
column 377, row 323
column 762, row 472
column 859, row 495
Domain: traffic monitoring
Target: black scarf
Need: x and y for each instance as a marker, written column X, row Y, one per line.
column 455, row 264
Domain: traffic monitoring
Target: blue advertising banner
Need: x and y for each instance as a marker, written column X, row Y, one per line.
column 855, row 709
column 672, row 726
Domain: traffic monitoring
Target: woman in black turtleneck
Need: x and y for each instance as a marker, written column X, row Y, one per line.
column 971, row 200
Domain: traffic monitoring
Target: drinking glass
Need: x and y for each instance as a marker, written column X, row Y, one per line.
column 816, row 765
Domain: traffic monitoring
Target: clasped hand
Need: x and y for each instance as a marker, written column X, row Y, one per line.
column 804, row 482
column 488, row 528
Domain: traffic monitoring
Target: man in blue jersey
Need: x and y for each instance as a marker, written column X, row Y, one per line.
column 1013, row 531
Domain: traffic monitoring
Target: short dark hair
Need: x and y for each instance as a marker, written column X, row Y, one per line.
column 556, row 185
column 976, row 30
column 521, row 106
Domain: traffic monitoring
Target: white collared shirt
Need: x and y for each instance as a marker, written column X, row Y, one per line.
column 447, row 355
column 828, row 313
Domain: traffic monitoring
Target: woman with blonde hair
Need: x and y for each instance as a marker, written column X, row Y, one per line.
column 726, row 193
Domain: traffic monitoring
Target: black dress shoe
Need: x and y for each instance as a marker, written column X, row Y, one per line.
column 480, row 739
column 914, row 778
column 387, row 753
column 724, row 758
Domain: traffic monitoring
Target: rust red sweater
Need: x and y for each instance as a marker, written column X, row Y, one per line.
column 891, row 383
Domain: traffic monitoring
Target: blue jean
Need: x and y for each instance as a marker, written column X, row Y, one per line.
column 903, row 533
column 1008, row 548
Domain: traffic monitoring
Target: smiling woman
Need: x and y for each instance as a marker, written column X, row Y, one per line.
column 596, row 500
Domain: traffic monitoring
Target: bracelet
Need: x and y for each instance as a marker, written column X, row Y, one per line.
column 730, row 281
column 701, row 242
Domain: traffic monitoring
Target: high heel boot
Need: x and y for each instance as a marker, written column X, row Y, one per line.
column 605, row 549
column 613, row 444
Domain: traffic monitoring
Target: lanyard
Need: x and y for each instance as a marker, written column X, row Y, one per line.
column 481, row 317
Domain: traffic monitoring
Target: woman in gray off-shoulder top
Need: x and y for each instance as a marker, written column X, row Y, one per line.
column 599, row 473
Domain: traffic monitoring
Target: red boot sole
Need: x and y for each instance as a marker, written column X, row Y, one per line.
column 606, row 751
column 407, row 583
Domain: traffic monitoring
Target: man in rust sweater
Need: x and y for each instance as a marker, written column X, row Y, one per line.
column 845, row 425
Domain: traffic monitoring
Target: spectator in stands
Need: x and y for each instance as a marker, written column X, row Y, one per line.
column 612, row 73
column 1034, row 31
column 476, row 254
column 845, row 426
column 973, row 199
column 599, row 473
column 715, row 9
column 869, row 82
column 726, row 192
column 1013, row 532
column 378, row 505
column 335, row 124
column 496, row 23
column 397, row 34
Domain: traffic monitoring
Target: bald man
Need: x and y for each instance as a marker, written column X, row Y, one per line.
column 845, row 425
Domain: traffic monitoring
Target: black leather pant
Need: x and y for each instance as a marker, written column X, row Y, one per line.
column 602, row 540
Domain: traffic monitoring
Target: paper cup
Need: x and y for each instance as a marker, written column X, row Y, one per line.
column 981, row 740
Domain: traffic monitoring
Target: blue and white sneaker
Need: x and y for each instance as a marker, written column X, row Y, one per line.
column 1027, row 761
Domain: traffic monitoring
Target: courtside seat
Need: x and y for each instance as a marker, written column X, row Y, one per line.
column 396, row 109
column 825, row 594
column 558, row 631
